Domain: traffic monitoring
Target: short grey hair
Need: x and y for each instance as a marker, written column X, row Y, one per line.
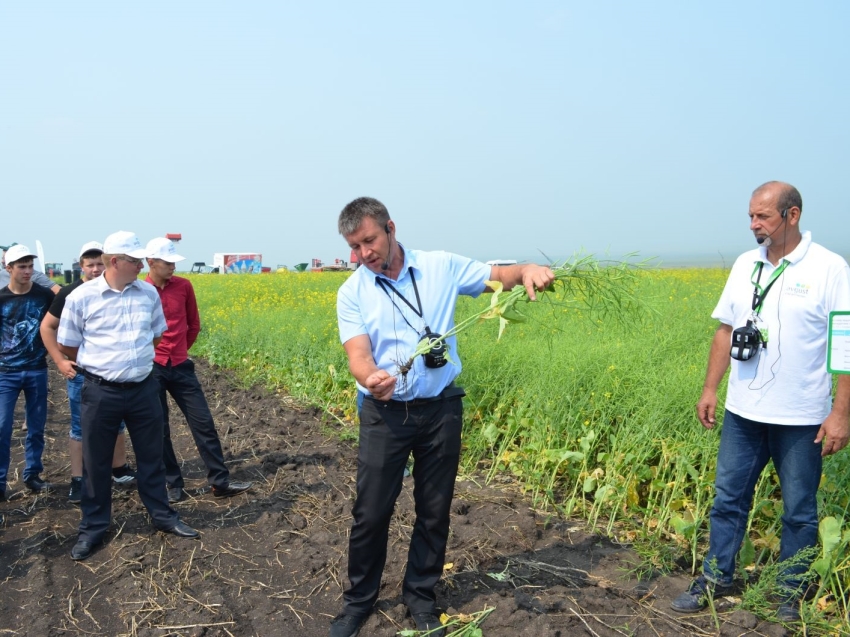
column 353, row 214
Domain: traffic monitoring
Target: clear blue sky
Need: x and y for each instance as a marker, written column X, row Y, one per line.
column 491, row 129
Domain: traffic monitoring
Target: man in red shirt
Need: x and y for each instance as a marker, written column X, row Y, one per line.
column 175, row 373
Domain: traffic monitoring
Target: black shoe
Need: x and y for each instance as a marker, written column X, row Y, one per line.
column 182, row 530
column 75, row 495
column 430, row 623
column 232, row 488
column 123, row 476
column 696, row 597
column 82, row 550
column 3, row 495
column 346, row 625
column 788, row 612
column 175, row 494
column 36, row 484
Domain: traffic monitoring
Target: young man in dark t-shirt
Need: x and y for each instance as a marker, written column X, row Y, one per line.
column 91, row 266
column 23, row 364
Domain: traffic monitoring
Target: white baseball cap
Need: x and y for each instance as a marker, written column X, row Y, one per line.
column 162, row 248
column 125, row 243
column 17, row 252
column 91, row 246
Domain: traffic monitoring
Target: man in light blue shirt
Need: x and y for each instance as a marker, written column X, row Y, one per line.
column 394, row 300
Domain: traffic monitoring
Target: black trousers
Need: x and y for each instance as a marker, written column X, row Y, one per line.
column 181, row 382
column 389, row 432
column 102, row 408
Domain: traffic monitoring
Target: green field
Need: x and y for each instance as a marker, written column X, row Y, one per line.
column 591, row 418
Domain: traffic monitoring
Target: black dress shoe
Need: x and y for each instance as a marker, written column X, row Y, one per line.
column 36, row 484
column 182, row 530
column 346, row 625
column 82, row 550
column 428, row 623
column 175, row 494
column 232, row 488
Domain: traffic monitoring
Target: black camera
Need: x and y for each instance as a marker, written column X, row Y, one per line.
column 745, row 342
column 436, row 356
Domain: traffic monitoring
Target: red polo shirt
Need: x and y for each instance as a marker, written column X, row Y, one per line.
column 181, row 314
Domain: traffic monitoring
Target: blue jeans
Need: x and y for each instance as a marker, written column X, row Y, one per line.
column 74, row 386
column 745, row 448
column 34, row 385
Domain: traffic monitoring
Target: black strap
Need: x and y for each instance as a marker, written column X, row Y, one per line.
column 416, row 310
column 758, row 299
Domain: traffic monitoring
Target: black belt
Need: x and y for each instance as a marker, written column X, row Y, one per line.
column 451, row 391
column 99, row 380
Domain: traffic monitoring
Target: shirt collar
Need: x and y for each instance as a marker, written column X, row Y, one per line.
column 795, row 255
column 103, row 286
column 148, row 279
column 409, row 262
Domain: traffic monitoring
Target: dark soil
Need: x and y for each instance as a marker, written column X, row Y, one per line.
column 273, row 561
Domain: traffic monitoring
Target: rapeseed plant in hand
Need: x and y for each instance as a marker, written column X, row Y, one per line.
column 601, row 289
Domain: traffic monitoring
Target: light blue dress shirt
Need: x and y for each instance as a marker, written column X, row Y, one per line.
column 394, row 329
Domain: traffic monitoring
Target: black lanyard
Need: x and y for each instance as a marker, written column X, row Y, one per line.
column 416, row 310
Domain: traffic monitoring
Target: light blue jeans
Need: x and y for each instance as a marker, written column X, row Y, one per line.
column 74, row 387
column 34, row 385
column 746, row 447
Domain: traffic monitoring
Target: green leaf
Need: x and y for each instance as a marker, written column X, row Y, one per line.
column 562, row 455
column 603, row 492
column 502, row 325
column 829, row 531
column 747, row 555
column 490, row 433
column 680, row 525
column 500, row 577
column 822, row 567
column 513, row 315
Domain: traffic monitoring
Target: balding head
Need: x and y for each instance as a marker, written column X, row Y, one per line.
column 784, row 196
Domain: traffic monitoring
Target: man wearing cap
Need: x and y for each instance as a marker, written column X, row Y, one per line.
column 176, row 374
column 38, row 278
column 109, row 328
column 23, row 364
column 91, row 265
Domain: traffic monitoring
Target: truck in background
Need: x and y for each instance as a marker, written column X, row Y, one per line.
column 238, row 262
column 199, row 267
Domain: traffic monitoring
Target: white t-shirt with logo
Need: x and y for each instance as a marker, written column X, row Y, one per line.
column 787, row 382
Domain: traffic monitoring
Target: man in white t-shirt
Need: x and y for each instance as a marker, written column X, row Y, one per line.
column 773, row 314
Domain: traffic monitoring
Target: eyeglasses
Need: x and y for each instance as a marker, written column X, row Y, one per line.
column 132, row 260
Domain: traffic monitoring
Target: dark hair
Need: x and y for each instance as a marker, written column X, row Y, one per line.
column 788, row 196
column 91, row 254
column 353, row 214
